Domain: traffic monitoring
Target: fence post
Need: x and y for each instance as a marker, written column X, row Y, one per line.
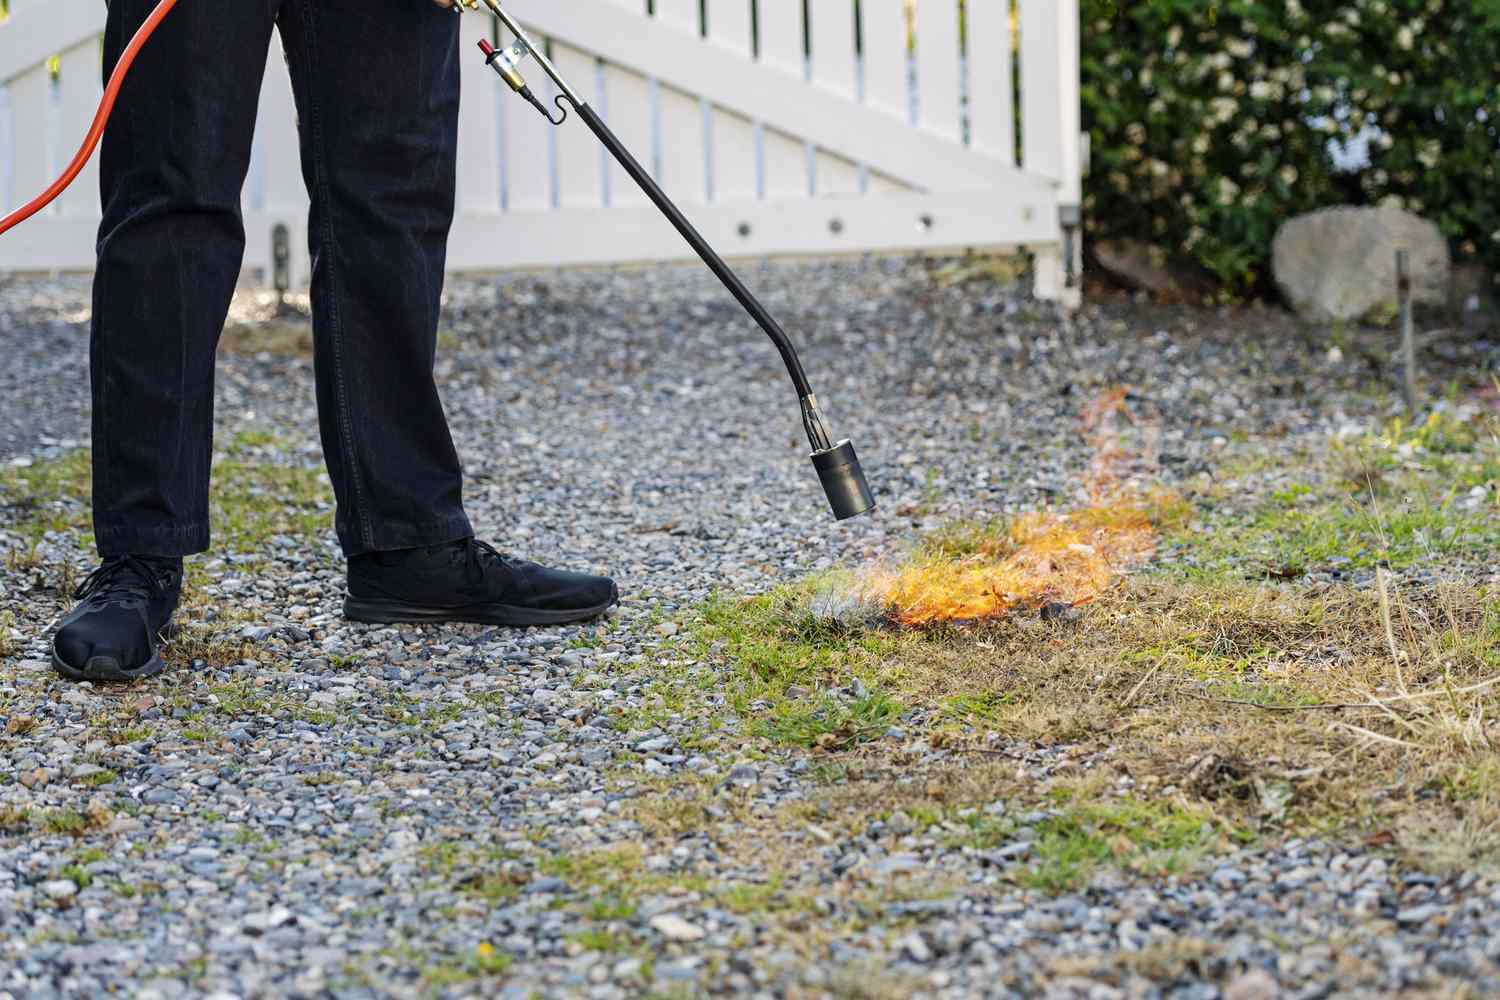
column 1051, row 117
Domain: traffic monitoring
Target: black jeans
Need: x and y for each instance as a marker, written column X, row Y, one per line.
column 377, row 89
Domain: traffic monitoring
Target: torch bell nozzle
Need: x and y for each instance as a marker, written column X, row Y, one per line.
column 844, row 481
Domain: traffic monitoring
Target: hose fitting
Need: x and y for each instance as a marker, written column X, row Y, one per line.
column 506, row 62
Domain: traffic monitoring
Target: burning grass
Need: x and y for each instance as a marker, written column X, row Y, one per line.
column 1049, row 557
column 1040, row 559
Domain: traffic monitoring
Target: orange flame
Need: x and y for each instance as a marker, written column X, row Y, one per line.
column 1048, row 557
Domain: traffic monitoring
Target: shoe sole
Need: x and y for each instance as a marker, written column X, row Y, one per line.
column 105, row 669
column 378, row 612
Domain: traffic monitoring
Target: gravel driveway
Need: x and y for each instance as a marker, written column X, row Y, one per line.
column 354, row 811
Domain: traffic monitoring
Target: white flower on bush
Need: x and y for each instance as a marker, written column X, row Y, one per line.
column 1288, row 175
column 1430, row 153
column 1228, row 191
column 1405, row 39
column 1239, row 48
column 1174, row 36
column 1223, row 108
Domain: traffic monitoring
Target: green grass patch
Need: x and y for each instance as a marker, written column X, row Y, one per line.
column 1289, row 535
column 1397, row 497
column 828, row 722
column 255, row 494
column 1151, row 837
column 611, row 906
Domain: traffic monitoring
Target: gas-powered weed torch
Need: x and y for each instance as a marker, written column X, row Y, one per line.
column 838, row 466
column 836, row 463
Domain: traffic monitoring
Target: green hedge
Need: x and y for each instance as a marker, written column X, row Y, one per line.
column 1211, row 120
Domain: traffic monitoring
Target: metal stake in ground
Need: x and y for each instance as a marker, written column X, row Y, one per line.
column 1408, row 335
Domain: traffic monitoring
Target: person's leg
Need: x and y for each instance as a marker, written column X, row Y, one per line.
column 174, row 159
column 377, row 88
column 170, row 247
column 377, row 95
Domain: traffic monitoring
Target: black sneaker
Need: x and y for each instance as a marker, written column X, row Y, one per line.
column 468, row 581
column 112, row 634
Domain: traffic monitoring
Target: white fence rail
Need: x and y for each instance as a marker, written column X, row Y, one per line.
column 781, row 127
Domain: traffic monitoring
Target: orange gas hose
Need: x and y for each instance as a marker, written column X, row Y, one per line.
column 101, row 119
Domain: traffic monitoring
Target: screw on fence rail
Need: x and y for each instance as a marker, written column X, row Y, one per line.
column 1408, row 334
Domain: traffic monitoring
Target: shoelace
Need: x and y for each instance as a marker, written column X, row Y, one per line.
column 122, row 576
column 476, row 553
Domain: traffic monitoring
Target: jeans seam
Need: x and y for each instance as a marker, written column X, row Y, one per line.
column 326, row 238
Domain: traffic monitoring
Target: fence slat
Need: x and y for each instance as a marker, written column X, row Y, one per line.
column 478, row 123
column 784, row 165
column 733, row 151
column 580, row 158
column 991, row 79
column 834, row 69
column 526, row 140
column 885, row 57
column 937, row 66
column 30, row 102
column 627, row 108
column 683, row 167
column 81, row 88
column 1041, row 113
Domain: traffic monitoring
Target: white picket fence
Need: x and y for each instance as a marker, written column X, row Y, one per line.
column 782, row 128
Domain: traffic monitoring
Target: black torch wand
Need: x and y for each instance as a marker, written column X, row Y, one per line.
column 837, row 465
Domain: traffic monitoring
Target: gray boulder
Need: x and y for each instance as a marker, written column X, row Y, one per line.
column 1340, row 263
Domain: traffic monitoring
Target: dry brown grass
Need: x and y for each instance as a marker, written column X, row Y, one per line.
column 1317, row 709
column 1370, row 708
